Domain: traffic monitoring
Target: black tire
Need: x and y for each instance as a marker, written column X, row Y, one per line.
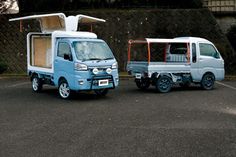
column 64, row 90
column 164, row 84
column 142, row 84
column 101, row 92
column 37, row 84
column 208, row 81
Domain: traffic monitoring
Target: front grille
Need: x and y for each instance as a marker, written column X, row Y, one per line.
column 100, row 68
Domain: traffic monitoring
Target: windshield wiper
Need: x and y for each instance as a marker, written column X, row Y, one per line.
column 94, row 59
column 90, row 59
column 108, row 58
column 98, row 59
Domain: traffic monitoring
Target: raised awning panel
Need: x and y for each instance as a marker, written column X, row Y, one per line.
column 52, row 23
column 88, row 19
column 58, row 21
column 48, row 22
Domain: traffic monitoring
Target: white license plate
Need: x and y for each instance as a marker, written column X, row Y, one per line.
column 138, row 76
column 103, row 82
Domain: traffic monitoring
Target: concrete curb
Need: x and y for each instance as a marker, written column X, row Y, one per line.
column 230, row 78
column 13, row 76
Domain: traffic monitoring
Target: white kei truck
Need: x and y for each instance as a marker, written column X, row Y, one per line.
column 165, row 62
column 71, row 60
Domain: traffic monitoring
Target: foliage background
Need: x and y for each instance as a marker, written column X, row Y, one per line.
column 121, row 26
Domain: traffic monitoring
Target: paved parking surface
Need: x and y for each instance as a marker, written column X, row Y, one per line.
column 128, row 122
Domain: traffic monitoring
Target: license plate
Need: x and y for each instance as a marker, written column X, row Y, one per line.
column 138, row 76
column 103, row 82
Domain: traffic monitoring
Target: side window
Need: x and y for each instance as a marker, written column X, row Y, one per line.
column 178, row 48
column 208, row 50
column 63, row 48
column 194, row 54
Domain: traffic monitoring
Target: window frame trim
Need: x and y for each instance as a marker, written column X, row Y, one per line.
column 208, row 55
column 63, row 41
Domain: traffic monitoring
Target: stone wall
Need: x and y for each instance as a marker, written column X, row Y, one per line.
column 122, row 25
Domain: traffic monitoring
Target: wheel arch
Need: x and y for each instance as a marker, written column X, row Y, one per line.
column 208, row 72
column 167, row 75
column 60, row 79
column 33, row 74
column 155, row 76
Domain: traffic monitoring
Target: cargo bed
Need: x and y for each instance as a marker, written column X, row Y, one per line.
column 158, row 67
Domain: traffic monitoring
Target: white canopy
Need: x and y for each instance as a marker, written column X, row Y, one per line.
column 167, row 40
column 58, row 21
column 177, row 40
column 174, row 40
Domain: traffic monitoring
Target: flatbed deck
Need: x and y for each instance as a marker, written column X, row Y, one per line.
column 159, row 67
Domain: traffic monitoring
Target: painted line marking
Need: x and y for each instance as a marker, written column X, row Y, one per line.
column 18, row 84
column 226, row 85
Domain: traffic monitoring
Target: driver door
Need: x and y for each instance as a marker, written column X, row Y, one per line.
column 64, row 65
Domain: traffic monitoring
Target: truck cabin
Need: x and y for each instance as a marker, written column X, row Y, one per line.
column 159, row 50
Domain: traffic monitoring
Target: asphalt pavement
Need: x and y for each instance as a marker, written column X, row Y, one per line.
column 126, row 123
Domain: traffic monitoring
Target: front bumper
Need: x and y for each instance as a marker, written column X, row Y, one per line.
column 92, row 82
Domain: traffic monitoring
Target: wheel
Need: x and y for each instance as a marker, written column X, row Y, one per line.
column 36, row 83
column 142, row 84
column 164, row 84
column 208, row 81
column 101, row 92
column 64, row 89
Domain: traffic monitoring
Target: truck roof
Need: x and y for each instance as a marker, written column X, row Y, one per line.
column 196, row 39
column 80, row 34
column 177, row 40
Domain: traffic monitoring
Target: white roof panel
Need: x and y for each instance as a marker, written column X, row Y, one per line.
column 58, row 21
column 61, row 15
column 177, row 40
column 156, row 40
column 73, row 34
column 88, row 19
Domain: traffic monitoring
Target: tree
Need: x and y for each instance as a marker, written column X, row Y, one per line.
column 9, row 6
column 231, row 35
column 69, row 5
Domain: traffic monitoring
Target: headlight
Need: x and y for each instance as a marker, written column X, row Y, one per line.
column 114, row 65
column 95, row 71
column 108, row 70
column 80, row 67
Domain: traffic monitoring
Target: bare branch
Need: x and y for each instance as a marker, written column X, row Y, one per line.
column 8, row 6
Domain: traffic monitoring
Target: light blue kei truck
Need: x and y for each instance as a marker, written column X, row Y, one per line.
column 71, row 60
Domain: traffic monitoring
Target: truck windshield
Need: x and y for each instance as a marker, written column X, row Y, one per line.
column 90, row 50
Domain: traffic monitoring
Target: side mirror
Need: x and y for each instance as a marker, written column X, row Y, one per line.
column 67, row 57
column 216, row 55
